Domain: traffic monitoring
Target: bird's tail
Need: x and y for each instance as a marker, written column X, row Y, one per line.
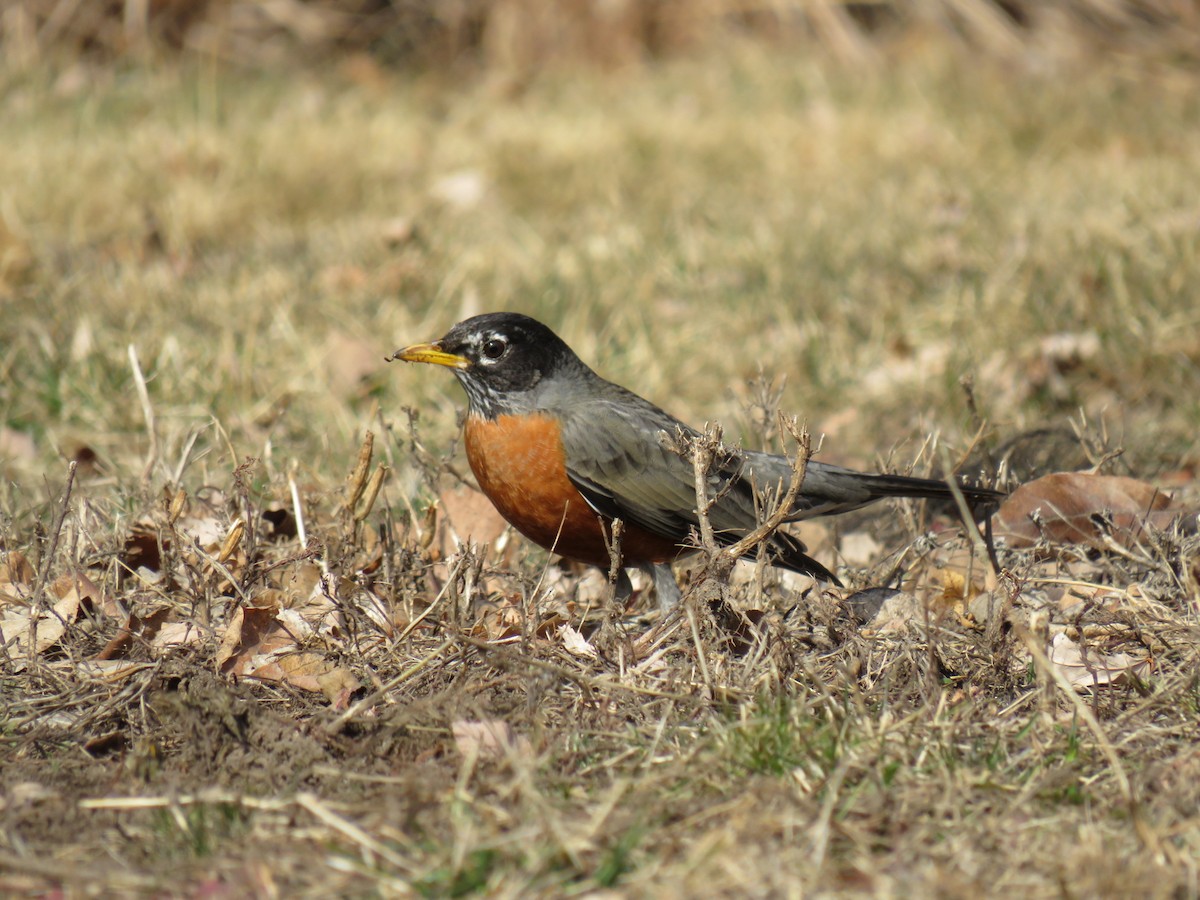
column 881, row 486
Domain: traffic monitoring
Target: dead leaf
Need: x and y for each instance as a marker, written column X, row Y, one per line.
column 300, row 584
column 269, row 598
column 575, row 643
column 310, row 671
column 957, row 596
column 52, row 624
column 257, row 644
column 499, row 621
column 136, row 628
column 1080, row 508
column 488, row 738
column 955, row 590
column 207, row 531
column 16, row 576
column 176, row 634
column 91, row 598
column 251, row 632
column 1092, row 669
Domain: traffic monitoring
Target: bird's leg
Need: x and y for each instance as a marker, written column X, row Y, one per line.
column 666, row 588
column 622, row 589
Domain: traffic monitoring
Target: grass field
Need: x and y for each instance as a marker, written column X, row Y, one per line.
column 201, row 271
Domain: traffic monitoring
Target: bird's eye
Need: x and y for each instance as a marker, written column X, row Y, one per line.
column 494, row 348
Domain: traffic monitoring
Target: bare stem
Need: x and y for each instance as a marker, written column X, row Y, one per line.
column 783, row 508
column 139, row 381
column 39, row 590
column 704, row 451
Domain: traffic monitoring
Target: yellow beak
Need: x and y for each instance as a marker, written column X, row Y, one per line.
column 430, row 353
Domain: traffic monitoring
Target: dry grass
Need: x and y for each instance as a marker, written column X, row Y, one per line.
column 263, row 241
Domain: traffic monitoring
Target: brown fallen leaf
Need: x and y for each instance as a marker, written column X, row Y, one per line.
column 257, row 644
column 575, row 643
column 488, row 738
column 1080, row 508
column 268, row 598
column 176, row 634
column 209, row 531
column 52, row 624
column 300, row 584
column 252, row 631
column 1093, row 669
column 310, row 671
column 499, row 621
column 91, row 597
column 136, row 629
column 16, row 576
column 956, row 595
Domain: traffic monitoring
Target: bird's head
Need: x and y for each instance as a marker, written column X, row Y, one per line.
column 502, row 359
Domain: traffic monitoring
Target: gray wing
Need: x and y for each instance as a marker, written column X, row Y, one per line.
column 617, row 458
column 619, row 462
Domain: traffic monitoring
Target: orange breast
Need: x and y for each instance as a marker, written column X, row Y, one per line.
column 519, row 463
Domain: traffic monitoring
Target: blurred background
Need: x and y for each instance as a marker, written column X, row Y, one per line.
column 522, row 36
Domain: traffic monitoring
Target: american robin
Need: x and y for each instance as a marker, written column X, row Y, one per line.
column 562, row 452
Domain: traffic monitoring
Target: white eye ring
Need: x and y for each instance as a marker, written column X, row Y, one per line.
column 493, row 349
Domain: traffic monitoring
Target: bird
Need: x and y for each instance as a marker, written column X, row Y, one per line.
column 561, row 452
